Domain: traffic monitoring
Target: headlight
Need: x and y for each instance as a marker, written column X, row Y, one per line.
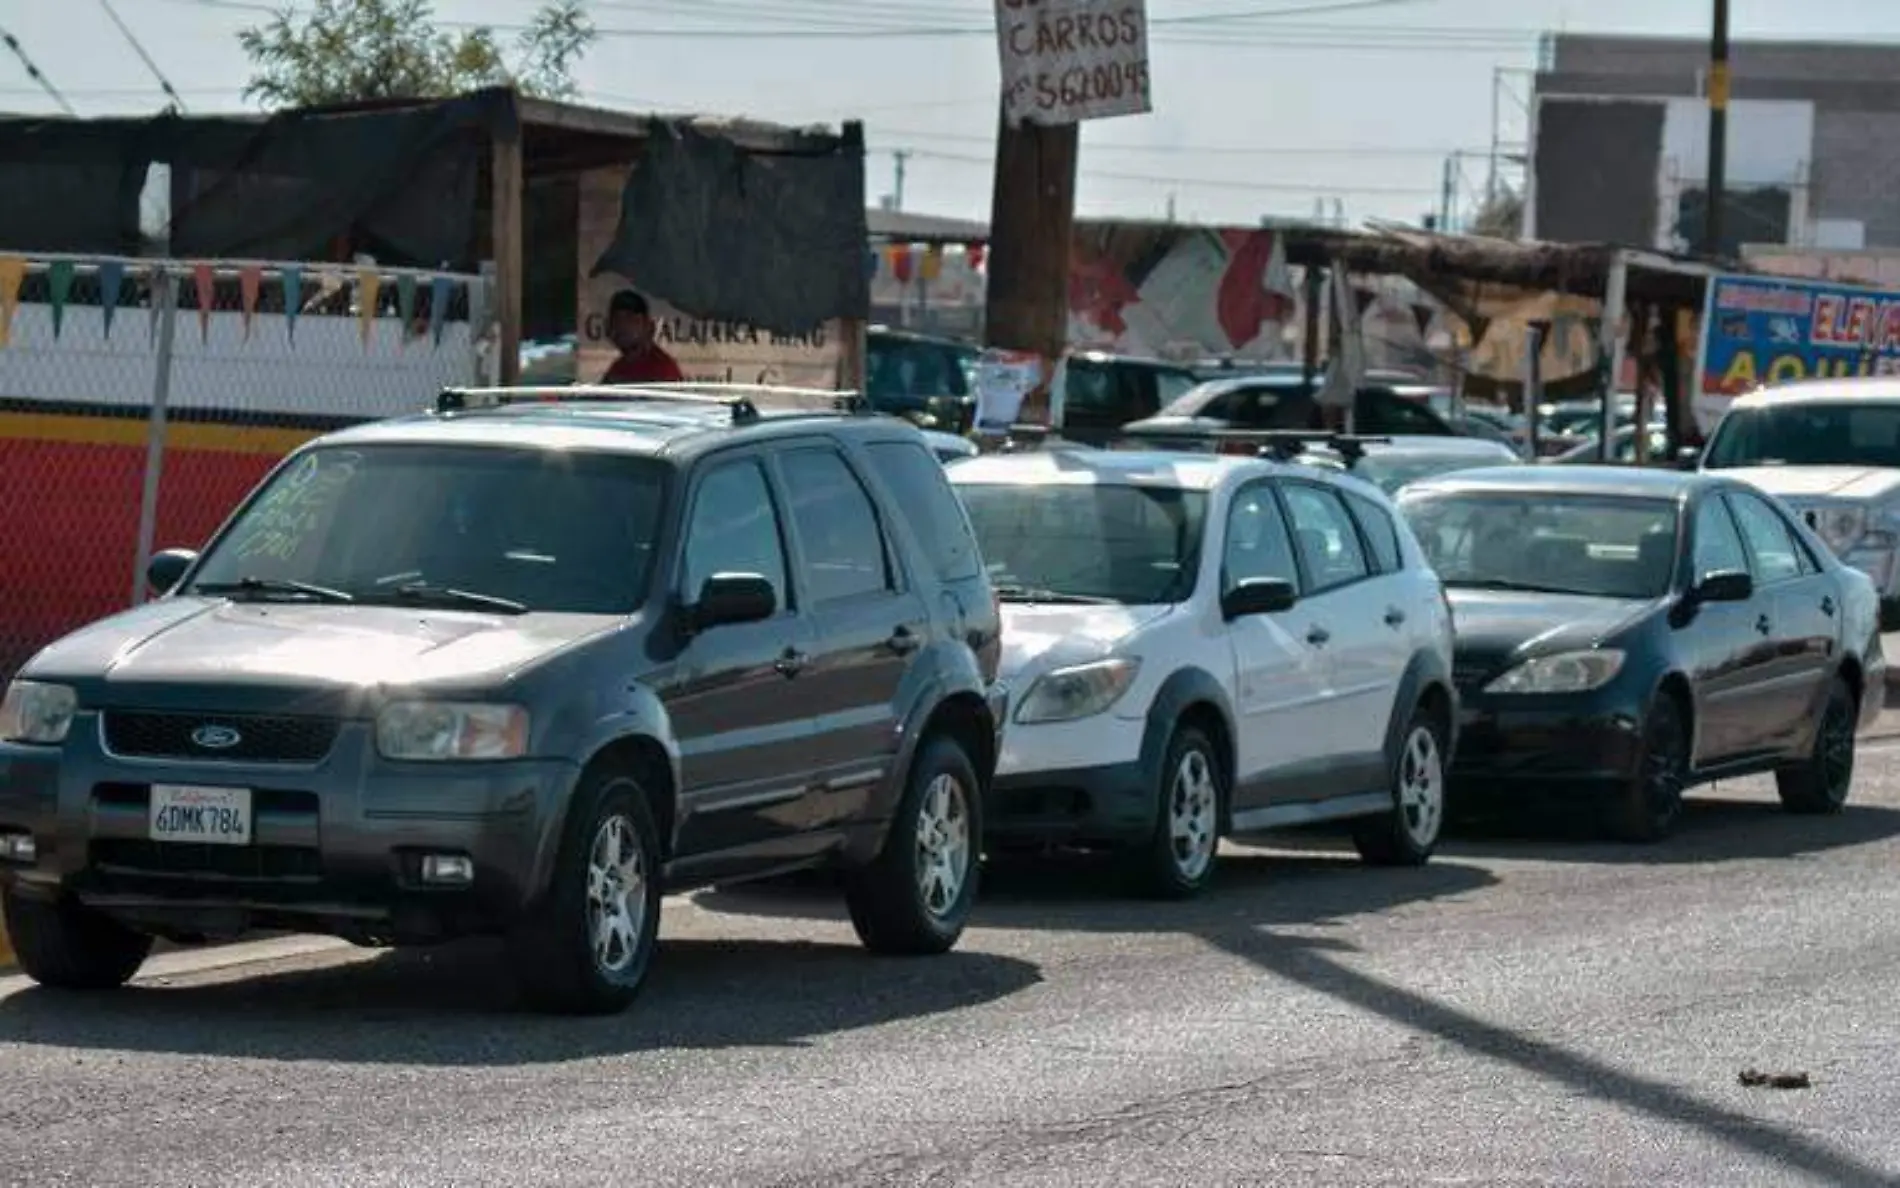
column 1065, row 694
column 1565, row 672
column 1839, row 527
column 34, row 712
column 442, row 730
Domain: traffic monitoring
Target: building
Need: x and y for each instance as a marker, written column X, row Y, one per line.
column 1619, row 143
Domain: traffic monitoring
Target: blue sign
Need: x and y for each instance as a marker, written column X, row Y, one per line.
column 1761, row 330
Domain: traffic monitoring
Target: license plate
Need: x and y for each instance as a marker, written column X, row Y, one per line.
column 188, row 813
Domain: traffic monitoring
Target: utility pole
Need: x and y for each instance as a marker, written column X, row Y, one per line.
column 1032, row 224
column 1718, row 131
column 1491, row 177
column 1445, row 194
column 1170, row 208
column 901, row 157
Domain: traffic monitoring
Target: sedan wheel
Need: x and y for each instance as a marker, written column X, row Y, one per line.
column 1647, row 808
column 1820, row 785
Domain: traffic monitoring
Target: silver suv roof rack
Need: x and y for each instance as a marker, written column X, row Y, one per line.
column 745, row 401
column 1283, row 445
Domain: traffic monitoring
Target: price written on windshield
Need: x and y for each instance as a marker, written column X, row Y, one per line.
column 1065, row 61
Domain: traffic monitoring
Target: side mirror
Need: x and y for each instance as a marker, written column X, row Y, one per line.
column 1726, row 585
column 165, row 568
column 1687, row 457
column 1258, row 596
column 733, row 598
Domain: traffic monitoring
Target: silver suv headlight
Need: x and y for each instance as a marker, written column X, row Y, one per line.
column 1079, row 691
column 37, row 712
column 448, row 731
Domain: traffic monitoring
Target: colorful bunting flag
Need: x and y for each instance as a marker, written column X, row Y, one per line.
column 974, row 252
column 12, row 275
column 933, row 262
column 293, row 299
column 59, row 290
column 438, row 307
column 207, row 290
column 329, row 283
column 111, row 281
column 369, row 285
column 406, row 305
column 900, row 262
column 250, row 279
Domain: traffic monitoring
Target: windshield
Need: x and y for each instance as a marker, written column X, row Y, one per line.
column 1392, row 471
column 1103, row 542
column 1807, row 435
column 1610, row 546
column 505, row 529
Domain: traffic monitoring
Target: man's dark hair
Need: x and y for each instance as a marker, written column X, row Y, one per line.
column 628, row 301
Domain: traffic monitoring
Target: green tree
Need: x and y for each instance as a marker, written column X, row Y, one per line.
column 341, row 51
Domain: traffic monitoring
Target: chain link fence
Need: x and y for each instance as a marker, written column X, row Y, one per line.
column 141, row 399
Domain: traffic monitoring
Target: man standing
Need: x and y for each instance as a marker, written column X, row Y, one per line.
column 642, row 360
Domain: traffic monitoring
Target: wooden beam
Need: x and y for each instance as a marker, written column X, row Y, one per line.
column 1032, row 225
column 505, row 184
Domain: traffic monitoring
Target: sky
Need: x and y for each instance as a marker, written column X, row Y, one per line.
column 1349, row 105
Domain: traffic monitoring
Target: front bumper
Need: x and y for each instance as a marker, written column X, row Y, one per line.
column 336, row 845
column 1107, row 804
column 1567, row 745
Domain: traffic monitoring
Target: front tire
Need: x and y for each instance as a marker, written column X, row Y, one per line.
column 68, row 946
column 915, row 897
column 1820, row 784
column 1648, row 806
column 1407, row 833
column 587, row 950
column 1179, row 859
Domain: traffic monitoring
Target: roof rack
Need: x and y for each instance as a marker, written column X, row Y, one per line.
column 743, row 400
column 1285, row 445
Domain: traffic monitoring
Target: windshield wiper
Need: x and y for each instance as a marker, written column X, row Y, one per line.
column 1503, row 584
column 449, row 596
column 279, row 586
column 1014, row 593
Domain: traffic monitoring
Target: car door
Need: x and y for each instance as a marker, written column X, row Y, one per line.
column 1795, row 627
column 1391, row 595
column 745, row 737
column 1719, row 640
column 1279, row 679
column 1339, row 616
column 868, row 620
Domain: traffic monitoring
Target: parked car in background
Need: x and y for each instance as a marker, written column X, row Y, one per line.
column 1622, row 448
column 1197, row 647
column 1830, row 449
column 1272, row 403
column 1627, row 634
column 949, row 447
column 1391, row 463
column 1100, row 393
column 516, row 668
column 921, row 376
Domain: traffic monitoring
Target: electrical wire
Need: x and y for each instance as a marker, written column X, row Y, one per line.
column 164, row 84
column 1206, row 183
column 33, row 72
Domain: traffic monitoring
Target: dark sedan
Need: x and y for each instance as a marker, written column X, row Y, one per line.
column 1633, row 633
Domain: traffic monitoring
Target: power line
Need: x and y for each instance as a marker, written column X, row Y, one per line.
column 33, row 72
column 1198, row 150
column 1200, row 183
column 164, row 84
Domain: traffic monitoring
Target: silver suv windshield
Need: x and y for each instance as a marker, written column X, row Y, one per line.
column 1847, row 433
column 1061, row 542
column 477, row 528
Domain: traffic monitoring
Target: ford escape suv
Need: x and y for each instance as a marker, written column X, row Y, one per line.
column 518, row 666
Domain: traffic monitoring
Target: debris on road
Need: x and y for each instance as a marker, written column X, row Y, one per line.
column 1754, row 1078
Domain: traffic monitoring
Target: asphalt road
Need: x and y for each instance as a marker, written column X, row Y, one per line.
column 1532, row 1008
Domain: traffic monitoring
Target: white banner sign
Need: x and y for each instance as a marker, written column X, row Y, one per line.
column 1065, row 61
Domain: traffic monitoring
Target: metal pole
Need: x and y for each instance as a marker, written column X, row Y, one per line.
column 1533, row 378
column 1491, row 178
column 167, row 297
column 1611, row 342
column 1718, row 132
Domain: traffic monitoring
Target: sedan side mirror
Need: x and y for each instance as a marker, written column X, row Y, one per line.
column 1725, row 585
column 1258, row 596
column 167, row 568
column 733, row 598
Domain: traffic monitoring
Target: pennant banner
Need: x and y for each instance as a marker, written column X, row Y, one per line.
column 250, row 280
column 329, row 283
column 406, row 305
column 933, row 262
column 974, row 253
column 12, row 275
column 438, row 307
column 111, row 280
column 369, row 286
column 901, row 263
column 59, row 290
column 293, row 299
column 207, row 289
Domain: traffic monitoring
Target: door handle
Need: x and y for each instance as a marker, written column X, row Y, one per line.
column 1394, row 616
column 1317, row 636
column 1762, row 625
column 1827, row 605
column 903, row 641
column 790, row 663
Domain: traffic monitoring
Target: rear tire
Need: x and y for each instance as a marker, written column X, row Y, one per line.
column 1179, row 859
column 915, row 897
column 1408, row 832
column 68, row 946
column 587, row 948
column 1648, row 806
column 1820, row 784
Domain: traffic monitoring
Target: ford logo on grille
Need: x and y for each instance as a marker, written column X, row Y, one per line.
column 216, row 738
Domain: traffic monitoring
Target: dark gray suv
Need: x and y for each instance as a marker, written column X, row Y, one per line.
column 516, row 667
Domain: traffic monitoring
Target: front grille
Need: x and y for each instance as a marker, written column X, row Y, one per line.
column 196, row 860
column 276, row 739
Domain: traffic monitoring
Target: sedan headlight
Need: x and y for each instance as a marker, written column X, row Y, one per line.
column 1839, row 527
column 449, row 731
column 36, row 712
column 1080, row 691
column 1564, row 672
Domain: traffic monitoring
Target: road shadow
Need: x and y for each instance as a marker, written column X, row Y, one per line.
column 1074, row 892
column 1713, row 829
column 455, row 1006
column 1311, row 962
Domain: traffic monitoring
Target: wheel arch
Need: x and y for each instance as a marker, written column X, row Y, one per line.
column 1191, row 695
column 1426, row 684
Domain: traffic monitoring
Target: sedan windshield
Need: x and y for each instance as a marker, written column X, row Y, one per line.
column 508, row 530
column 1547, row 542
column 1844, row 434
column 1087, row 542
